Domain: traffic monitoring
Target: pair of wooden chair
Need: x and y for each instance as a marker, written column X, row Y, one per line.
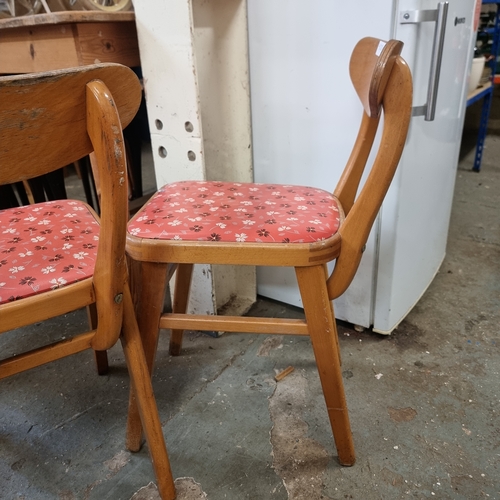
column 54, row 257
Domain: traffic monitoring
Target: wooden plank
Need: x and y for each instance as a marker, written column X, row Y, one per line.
column 65, row 17
column 45, row 46
column 37, row 48
column 108, row 42
column 478, row 90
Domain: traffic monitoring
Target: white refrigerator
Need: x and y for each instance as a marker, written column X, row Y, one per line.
column 305, row 117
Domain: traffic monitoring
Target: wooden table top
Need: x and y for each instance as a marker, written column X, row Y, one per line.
column 87, row 16
column 45, row 42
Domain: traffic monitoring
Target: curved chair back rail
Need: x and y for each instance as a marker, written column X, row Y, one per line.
column 361, row 212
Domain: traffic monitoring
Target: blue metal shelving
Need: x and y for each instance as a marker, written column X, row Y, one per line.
column 486, row 93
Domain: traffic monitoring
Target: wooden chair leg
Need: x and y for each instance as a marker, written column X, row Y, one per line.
column 336, row 333
column 149, row 281
column 100, row 357
column 323, row 333
column 181, row 298
column 101, row 362
column 144, row 397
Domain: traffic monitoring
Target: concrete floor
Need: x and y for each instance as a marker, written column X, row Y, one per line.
column 424, row 402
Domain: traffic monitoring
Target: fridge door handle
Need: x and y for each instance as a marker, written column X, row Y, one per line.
column 436, row 60
column 419, row 16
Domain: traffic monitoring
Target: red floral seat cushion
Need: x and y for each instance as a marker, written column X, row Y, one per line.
column 237, row 212
column 45, row 246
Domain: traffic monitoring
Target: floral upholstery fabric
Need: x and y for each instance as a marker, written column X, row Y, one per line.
column 237, row 212
column 45, row 246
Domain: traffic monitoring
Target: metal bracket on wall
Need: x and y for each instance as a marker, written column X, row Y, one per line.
column 417, row 16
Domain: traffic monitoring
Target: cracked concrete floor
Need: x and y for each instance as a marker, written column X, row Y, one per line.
column 424, row 403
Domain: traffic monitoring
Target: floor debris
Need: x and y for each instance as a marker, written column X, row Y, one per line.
column 281, row 375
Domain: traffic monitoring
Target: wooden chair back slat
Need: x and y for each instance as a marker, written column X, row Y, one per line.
column 396, row 104
column 370, row 67
column 43, row 119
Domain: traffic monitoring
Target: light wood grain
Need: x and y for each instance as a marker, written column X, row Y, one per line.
column 64, row 40
column 249, row 254
column 397, row 103
column 180, row 305
column 144, row 399
column 38, row 357
column 149, row 283
column 323, row 332
column 66, row 17
column 243, row 324
column 50, row 304
column 54, row 120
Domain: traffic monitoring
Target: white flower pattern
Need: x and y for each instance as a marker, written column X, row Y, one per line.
column 36, row 259
column 269, row 213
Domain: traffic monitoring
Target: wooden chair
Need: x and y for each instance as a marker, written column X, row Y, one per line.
column 188, row 223
column 56, row 257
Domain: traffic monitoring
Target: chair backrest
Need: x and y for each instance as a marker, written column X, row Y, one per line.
column 49, row 120
column 383, row 82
